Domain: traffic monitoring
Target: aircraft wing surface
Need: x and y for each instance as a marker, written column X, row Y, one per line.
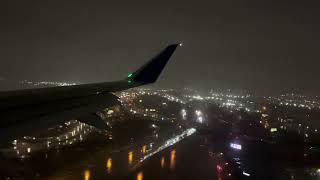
column 44, row 106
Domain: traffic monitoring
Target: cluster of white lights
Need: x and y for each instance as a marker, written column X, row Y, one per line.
column 28, row 144
column 47, row 83
column 295, row 101
column 184, row 114
column 225, row 100
column 163, row 93
column 230, row 95
column 236, row 146
column 199, row 116
column 170, row 142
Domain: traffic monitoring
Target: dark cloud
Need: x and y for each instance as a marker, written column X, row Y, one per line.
column 266, row 45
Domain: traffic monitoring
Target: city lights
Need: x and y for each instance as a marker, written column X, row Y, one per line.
column 238, row 108
column 235, row 146
column 245, row 173
column 273, row 130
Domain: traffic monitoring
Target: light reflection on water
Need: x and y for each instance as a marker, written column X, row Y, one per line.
column 140, row 176
column 162, row 162
column 170, row 142
column 130, row 157
column 172, row 159
column 147, row 151
column 86, row 174
column 129, row 160
column 109, row 165
column 144, row 149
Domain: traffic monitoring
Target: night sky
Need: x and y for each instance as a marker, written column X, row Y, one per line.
column 264, row 45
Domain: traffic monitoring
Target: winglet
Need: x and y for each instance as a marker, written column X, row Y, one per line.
column 150, row 71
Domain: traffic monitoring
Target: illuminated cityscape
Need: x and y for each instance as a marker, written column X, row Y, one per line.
column 160, row 90
column 237, row 124
column 46, row 83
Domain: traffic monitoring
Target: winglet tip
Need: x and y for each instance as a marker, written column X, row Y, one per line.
column 150, row 71
column 178, row 44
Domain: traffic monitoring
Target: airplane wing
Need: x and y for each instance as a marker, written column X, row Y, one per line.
column 39, row 105
column 147, row 74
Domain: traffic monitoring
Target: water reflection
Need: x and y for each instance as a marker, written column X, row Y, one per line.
column 109, row 165
column 124, row 158
column 130, row 157
column 162, row 162
column 170, row 142
column 86, row 174
column 140, row 176
column 144, row 149
column 172, row 159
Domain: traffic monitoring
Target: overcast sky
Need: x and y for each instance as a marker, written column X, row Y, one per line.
column 263, row 45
